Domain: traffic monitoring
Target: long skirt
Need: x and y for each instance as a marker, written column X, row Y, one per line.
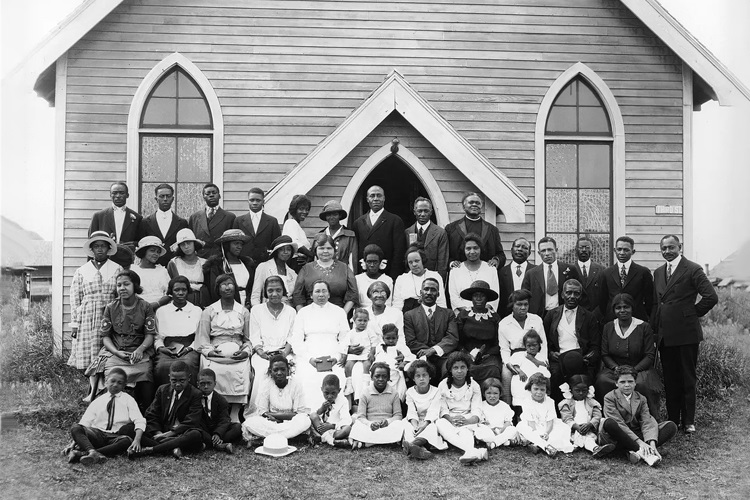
column 385, row 435
column 262, row 427
column 232, row 379
column 138, row 372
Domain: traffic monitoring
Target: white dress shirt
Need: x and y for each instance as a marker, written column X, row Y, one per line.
column 126, row 411
column 518, row 280
column 255, row 219
column 566, row 331
column 585, row 267
column 119, row 213
column 551, row 300
column 374, row 216
column 164, row 219
column 674, row 263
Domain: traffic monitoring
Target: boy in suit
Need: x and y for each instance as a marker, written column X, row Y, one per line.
column 545, row 281
column 173, row 420
column 432, row 239
column 511, row 276
column 676, row 324
column 430, row 331
column 626, row 277
column 164, row 223
column 217, row 429
column 211, row 222
column 124, row 225
column 261, row 227
column 384, row 229
column 628, row 424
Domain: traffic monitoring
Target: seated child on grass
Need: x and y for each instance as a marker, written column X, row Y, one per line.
column 583, row 414
column 423, row 410
column 107, row 426
column 539, row 424
column 379, row 412
column 524, row 364
column 628, row 423
column 496, row 426
column 218, row 430
column 332, row 423
column 397, row 359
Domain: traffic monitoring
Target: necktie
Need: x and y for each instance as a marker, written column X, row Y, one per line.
column 568, row 315
column 211, row 213
column 325, row 415
column 518, row 270
column 623, row 276
column 429, row 313
column 551, row 282
column 173, row 409
column 205, row 406
column 669, row 271
column 111, row 412
column 420, row 234
column 585, row 274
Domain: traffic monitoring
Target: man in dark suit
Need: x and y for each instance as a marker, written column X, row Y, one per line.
column 164, row 223
column 676, row 323
column 589, row 271
column 216, row 427
column 430, row 331
column 261, row 227
column 211, row 222
column 384, row 229
column 432, row 239
column 573, row 339
column 174, row 418
column 545, row 281
column 124, row 225
column 511, row 276
column 472, row 222
column 626, row 277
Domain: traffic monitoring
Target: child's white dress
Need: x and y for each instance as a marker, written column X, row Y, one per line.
column 585, row 411
column 454, row 401
column 423, row 407
column 367, row 338
column 539, row 414
column 387, row 355
column 495, row 417
column 517, row 387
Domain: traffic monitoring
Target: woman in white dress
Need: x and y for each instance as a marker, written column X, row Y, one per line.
column 282, row 249
column 187, row 263
column 407, row 289
column 471, row 270
column 223, row 339
column 154, row 277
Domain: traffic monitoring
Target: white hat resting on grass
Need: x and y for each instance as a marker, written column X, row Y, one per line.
column 275, row 445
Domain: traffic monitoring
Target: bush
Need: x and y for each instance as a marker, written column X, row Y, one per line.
column 733, row 307
column 724, row 361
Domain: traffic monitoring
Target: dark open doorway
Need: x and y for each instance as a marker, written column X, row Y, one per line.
column 401, row 186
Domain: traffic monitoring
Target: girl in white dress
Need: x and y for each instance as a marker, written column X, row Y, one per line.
column 539, row 424
column 422, row 412
column 523, row 364
column 154, row 277
column 582, row 413
column 496, row 427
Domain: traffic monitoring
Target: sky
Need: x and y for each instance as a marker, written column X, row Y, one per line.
column 721, row 134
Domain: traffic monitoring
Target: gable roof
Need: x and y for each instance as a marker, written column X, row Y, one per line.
column 21, row 248
column 714, row 81
column 395, row 94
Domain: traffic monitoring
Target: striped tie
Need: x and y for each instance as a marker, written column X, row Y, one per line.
column 111, row 412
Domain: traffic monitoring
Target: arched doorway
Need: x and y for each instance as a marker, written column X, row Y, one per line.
column 401, row 186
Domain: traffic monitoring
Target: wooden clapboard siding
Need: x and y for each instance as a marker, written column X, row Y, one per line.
column 288, row 73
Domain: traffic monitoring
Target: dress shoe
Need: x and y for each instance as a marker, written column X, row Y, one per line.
column 93, row 457
column 601, row 451
column 132, row 455
column 341, row 443
column 74, row 456
column 690, row 429
column 177, row 453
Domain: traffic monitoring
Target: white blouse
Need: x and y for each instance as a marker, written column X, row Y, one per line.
column 320, row 331
column 173, row 323
column 153, row 281
column 264, row 271
column 409, row 285
column 193, row 272
column 461, row 278
column 268, row 331
column 510, row 335
column 294, row 230
column 364, row 282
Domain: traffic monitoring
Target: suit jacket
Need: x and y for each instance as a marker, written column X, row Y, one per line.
column 535, row 282
column 209, row 231
column 591, row 286
column 388, row 234
column 188, row 414
column 676, row 318
column 151, row 228
column 491, row 245
column 588, row 332
column 219, row 422
column 435, row 246
column 417, row 330
column 638, row 283
column 132, row 227
column 632, row 416
column 505, row 278
column 260, row 242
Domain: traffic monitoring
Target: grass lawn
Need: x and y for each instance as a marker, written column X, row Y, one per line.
column 715, row 463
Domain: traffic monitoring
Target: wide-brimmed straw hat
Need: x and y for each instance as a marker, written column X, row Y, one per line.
column 184, row 235
column 149, row 241
column 275, row 445
column 479, row 286
column 100, row 236
column 232, row 235
column 281, row 242
column 332, row 206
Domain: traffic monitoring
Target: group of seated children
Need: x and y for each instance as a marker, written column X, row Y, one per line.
column 184, row 418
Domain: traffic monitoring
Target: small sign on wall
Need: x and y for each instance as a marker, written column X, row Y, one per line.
column 668, row 209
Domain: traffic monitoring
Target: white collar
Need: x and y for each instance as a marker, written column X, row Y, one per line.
column 623, row 335
column 374, row 214
column 159, row 213
column 427, row 308
column 514, row 265
column 123, row 208
column 256, row 215
column 215, row 209
column 554, row 266
column 627, row 265
column 586, row 264
column 675, row 262
column 423, row 227
column 473, row 220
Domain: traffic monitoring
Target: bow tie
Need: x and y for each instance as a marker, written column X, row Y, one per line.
column 178, row 309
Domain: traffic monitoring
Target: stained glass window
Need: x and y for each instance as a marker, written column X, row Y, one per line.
column 176, row 143
column 578, row 168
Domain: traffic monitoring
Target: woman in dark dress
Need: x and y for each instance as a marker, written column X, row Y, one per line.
column 477, row 332
column 629, row 341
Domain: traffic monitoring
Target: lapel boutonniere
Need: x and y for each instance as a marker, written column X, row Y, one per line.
column 566, row 272
column 132, row 217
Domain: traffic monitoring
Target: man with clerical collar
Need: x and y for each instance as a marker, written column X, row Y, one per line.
column 574, row 338
column 626, row 276
column 384, row 229
column 545, row 281
column 511, row 276
column 211, row 221
column 428, row 236
column 124, row 225
column 164, row 223
column 589, row 272
column 472, row 222
column 431, row 331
